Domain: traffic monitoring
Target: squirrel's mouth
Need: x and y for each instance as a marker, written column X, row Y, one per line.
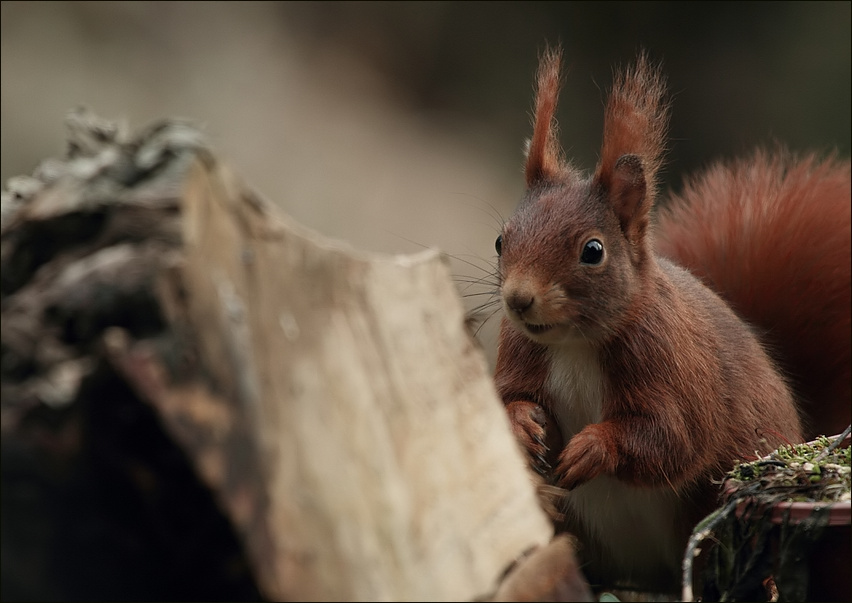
column 537, row 329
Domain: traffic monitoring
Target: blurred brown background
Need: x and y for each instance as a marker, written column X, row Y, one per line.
column 400, row 125
column 393, row 126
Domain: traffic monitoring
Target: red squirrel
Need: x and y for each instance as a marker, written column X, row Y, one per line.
column 628, row 381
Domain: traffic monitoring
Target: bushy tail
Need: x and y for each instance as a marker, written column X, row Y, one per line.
column 773, row 236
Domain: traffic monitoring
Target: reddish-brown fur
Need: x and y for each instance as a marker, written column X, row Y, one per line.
column 543, row 155
column 647, row 376
column 773, row 236
column 635, row 120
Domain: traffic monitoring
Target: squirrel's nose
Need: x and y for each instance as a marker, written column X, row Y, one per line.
column 519, row 301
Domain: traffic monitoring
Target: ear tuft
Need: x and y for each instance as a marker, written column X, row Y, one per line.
column 544, row 156
column 635, row 125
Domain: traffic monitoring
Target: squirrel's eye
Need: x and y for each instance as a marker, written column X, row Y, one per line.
column 498, row 244
column 593, row 252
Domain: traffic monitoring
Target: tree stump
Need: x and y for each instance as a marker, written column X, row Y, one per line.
column 204, row 400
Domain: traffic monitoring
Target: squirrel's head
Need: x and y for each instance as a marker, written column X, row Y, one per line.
column 572, row 258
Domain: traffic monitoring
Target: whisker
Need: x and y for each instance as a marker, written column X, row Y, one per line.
column 479, row 310
column 492, row 293
column 466, row 290
column 469, row 263
column 407, row 240
column 487, row 304
column 486, row 280
column 490, row 276
column 484, row 275
column 490, row 281
column 482, row 324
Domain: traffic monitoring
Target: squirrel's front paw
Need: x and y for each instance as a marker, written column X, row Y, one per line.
column 585, row 457
column 537, row 432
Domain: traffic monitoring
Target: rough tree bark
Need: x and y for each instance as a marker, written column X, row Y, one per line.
column 202, row 399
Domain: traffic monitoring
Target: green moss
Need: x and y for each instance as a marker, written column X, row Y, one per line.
column 751, row 550
column 810, row 472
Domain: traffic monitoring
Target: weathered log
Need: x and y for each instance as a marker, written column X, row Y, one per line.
column 173, row 346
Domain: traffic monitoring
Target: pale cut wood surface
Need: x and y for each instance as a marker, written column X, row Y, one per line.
column 331, row 401
column 391, row 472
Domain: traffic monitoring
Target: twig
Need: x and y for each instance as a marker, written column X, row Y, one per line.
column 829, row 449
column 702, row 530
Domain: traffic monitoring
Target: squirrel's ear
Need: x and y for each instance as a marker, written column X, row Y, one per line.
column 627, row 193
column 634, row 139
column 544, row 157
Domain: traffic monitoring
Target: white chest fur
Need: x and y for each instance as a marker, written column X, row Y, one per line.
column 635, row 529
column 576, row 383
